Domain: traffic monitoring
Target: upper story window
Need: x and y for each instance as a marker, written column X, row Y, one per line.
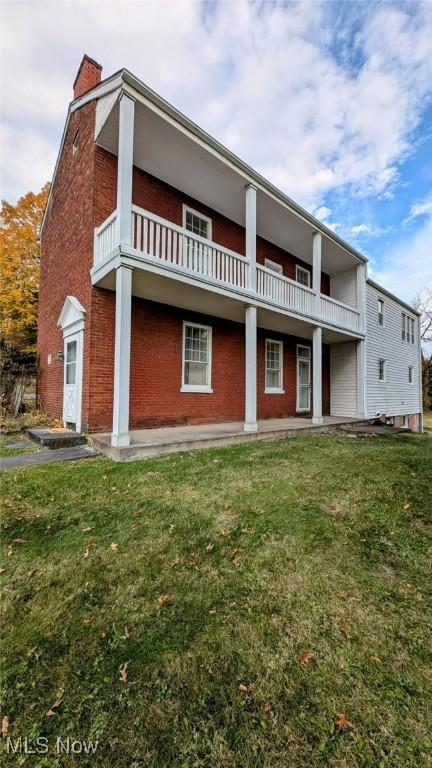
column 408, row 328
column 274, row 266
column 382, row 370
column 381, row 312
column 410, row 374
column 273, row 366
column 197, row 353
column 197, row 223
column 303, row 276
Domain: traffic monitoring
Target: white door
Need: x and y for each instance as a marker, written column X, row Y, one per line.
column 303, row 378
column 72, row 382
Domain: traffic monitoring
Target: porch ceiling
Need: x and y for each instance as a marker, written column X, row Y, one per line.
column 167, row 151
column 191, row 298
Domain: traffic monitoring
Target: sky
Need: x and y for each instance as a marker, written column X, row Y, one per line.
column 331, row 101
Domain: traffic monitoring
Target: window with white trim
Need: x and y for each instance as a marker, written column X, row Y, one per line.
column 303, row 276
column 197, row 350
column 197, row 223
column 404, row 325
column 412, row 330
column 381, row 312
column 410, row 374
column 382, row 370
column 274, row 266
column 303, row 378
column 273, row 366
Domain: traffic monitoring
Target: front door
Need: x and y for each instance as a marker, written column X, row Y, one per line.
column 303, row 377
column 72, row 383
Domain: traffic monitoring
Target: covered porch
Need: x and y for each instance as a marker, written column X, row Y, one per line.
column 147, row 443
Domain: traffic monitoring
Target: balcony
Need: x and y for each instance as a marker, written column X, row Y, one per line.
column 158, row 241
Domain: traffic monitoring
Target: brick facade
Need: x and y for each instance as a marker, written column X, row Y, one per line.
column 83, row 195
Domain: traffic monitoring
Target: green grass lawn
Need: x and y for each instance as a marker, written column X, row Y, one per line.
column 257, row 606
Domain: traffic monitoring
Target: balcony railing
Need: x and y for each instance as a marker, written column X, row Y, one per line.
column 166, row 243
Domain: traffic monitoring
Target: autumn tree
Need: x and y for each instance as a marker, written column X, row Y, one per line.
column 423, row 304
column 19, row 290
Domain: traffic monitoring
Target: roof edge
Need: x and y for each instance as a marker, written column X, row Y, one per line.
column 392, row 296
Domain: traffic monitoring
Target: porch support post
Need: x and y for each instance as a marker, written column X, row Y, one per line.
column 124, row 170
column 251, row 216
column 361, row 294
column 317, row 376
column 361, row 378
column 316, row 269
column 120, row 434
column 250, row 424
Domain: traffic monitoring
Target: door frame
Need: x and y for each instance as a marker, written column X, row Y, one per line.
column 71, row 321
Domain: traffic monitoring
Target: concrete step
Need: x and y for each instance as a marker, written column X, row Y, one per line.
column 56, row 438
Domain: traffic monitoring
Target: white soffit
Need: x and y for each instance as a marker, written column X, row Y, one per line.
column 103, row 109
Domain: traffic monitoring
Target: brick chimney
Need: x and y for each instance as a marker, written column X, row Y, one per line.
column 88, row 75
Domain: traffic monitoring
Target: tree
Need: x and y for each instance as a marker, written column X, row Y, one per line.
column 423, row 304
column 19, row 290
column 19, row 269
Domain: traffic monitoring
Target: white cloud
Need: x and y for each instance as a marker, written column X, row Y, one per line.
column 405, row 268
column 261, row 77
column 361, row 229
column 419, row 209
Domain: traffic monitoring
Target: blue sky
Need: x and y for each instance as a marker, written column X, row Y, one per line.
column 332, row 101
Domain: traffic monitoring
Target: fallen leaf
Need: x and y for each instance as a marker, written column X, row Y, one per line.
column 2, row 570
column 87, row 619
column 212, row 611
column 267, row 707
column 164, row 599
column 86, row 530
column 305, row 657
column 344, row 595
column 31, row 573
column 376, row 659
column 342, row 722
column 86, row 552
column 114, row 546
column 407, row 506
column 5, row 725
column 103, row 635
column 237, row 561
column 126, row 632
column 135, row 526
column 341, row 665
column 225, row 533
column 10, row 550
column 123, row 672
column 344, row 628
column 18, row 541
column 243, row 688
column 209, row 547
column 54, row 706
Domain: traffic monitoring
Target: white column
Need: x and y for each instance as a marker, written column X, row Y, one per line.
column 250, row 424
column 251, row 234
column 124, row 169
column 120, row 434
column 317, row 376
column 316, row 269
column 361, row 383
column 361, row 293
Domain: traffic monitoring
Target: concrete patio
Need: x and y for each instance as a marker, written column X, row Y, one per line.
column 146, row 443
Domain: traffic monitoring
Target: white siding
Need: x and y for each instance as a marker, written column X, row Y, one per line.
column 396, row 396
column 343, row 287
column 343, row 379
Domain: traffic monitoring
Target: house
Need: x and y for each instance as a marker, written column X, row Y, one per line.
column 179, row 287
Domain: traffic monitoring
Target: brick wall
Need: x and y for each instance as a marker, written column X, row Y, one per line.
column 156, row 370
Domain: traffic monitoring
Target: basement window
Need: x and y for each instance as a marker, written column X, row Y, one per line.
column 197, row 353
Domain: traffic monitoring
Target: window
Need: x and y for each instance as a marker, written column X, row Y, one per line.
column 303, row 378
column 303, row 276
column 412, row 330
column 410, row 374
column 381, row 370
column 196, row 358
column 197, row 223
column 71, row 351
column 408, row 329
column 75, row 143
column 274, row 266
column 404, row 324
column 380, row 312
column 273, row 366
